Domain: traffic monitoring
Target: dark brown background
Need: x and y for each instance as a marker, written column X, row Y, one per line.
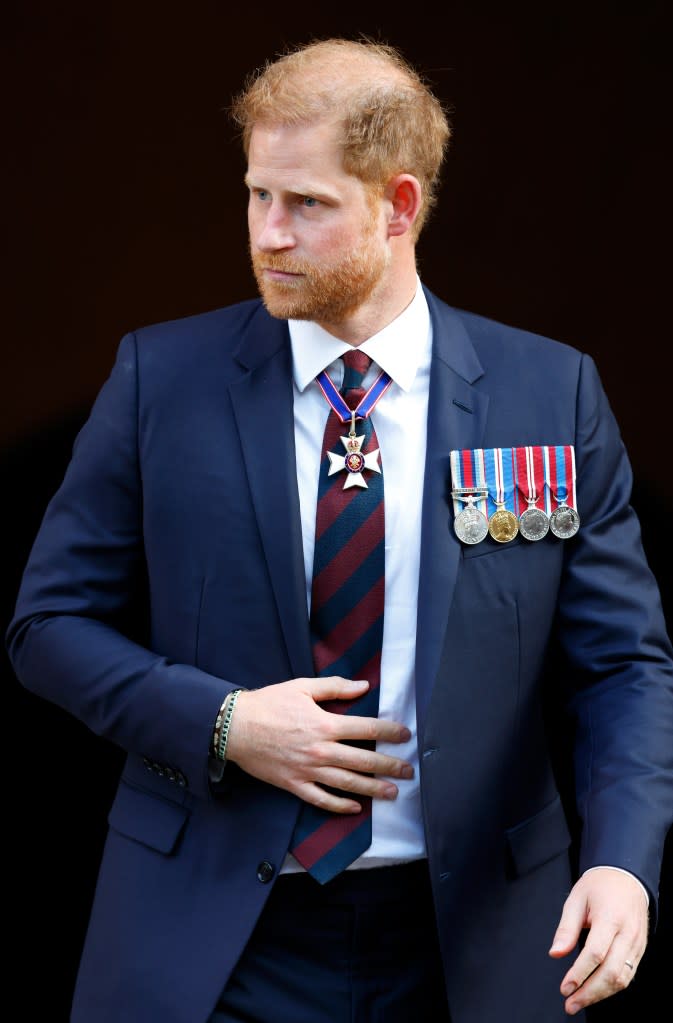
column 124, row 205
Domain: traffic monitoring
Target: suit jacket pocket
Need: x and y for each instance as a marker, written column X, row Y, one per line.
column 538, row 839
column 490, row 546
column 146, row 818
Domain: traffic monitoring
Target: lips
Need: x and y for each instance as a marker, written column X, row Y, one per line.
column 285, row 278
column 280, row 271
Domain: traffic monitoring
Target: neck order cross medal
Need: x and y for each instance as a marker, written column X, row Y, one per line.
column 355, row 461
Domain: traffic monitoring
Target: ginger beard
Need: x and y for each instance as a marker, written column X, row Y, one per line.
column 325, row 292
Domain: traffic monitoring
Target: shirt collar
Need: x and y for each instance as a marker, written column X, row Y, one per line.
column 398, row 348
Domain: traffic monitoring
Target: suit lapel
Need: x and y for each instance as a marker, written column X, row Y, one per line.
column 456, row 419
column 262, row 400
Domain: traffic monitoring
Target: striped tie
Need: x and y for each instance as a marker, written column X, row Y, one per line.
column 347, row 600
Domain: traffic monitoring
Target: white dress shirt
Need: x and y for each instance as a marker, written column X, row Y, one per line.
column 403, row 349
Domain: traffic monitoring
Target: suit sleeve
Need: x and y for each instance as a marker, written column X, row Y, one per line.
column 67, row 641
column 612, row 629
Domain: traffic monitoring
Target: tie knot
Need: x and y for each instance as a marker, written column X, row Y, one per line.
column 356, row 364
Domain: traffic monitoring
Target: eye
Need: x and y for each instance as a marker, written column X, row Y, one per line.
column 309, row 201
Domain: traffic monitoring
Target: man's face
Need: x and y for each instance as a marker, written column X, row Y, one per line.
column 317, row 242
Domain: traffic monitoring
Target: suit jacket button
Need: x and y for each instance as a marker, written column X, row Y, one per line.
column 265, row 871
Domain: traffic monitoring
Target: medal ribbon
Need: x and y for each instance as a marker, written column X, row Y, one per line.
column 537, row 475
column 505, row 461
column 500, row 478
column 560, row 474
column 529, row 473
column 468, row 472
column 365, row 407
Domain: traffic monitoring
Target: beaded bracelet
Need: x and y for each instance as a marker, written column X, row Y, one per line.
column 224, row 717
column 218, row 724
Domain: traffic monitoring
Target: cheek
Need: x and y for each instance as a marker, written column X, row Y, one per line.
column 333, row 244
column 260, row 219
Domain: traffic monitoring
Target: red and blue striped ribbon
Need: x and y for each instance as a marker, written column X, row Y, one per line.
column 559, row 462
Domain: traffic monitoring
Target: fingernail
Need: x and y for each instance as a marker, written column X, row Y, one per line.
column 390, row 792
column 407, row 771
column 556, row 947
column 405, row 735
column 357, row 683
column 567, row 989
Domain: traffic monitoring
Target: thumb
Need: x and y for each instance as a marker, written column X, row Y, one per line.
column 333, row 687
column 570, row 926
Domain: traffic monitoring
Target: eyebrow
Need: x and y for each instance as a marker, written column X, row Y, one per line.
column 317, row 193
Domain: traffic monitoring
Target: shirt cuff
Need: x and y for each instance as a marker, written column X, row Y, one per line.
column 606, row 866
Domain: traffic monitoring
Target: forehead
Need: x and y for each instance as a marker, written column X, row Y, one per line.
column 289, row 152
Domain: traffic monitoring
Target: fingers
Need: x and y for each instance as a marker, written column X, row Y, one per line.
column 312, row 793
column 334, row 687
column 570, row 926
column 601, row 969
column 608, row 905
column 361, row 784
column 350, row 726
column 346, row 781
column 350, row 782
column 368, row 762
column 281, row 735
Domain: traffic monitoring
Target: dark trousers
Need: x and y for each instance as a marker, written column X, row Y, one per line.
column 361, row 949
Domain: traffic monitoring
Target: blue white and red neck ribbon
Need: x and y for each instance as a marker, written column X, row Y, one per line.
column 365, row 407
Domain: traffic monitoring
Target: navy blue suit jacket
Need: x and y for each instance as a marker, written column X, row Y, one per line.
column 182, row 495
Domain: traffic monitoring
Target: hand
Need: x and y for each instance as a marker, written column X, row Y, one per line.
column 280, row 735
column 611, row 906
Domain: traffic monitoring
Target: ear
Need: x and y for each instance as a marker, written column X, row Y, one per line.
column 403, row 192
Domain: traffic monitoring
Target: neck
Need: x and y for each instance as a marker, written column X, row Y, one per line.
column 391, row 297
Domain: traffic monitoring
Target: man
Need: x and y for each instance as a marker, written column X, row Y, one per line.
column 340, row 797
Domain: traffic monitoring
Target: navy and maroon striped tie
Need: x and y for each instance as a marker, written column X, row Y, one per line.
column 347, row 600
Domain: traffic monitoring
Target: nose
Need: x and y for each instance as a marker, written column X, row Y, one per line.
column 271, row 229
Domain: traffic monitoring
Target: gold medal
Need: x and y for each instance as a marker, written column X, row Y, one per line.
column 503, row 525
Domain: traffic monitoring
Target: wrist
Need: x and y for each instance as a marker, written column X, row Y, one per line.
column 621, row 870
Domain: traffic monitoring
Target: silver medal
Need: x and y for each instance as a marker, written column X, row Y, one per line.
column 533, row 523
column 470, row 525
column 564, row 521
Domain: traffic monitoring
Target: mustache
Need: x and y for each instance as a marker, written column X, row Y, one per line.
column 276, row 261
